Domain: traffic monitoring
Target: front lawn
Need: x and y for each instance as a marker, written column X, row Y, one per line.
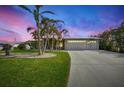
column 40, row 72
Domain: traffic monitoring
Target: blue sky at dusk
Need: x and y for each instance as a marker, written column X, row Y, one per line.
column 80, row 21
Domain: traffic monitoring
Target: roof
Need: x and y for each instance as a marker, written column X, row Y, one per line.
column 86, row 38
column 11, row 43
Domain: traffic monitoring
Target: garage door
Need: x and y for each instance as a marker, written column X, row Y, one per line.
column 81, row 45
column 72, row 46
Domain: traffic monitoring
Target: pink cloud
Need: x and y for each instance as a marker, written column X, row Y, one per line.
column 9, row 36
column 16, row 22
column 13, row 19
column 7, row 39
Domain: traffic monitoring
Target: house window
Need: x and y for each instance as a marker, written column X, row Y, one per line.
column 91, row 42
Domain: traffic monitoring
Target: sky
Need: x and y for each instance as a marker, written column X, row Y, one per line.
column 80, row 21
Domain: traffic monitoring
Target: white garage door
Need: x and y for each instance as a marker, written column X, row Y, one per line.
column 80, row 45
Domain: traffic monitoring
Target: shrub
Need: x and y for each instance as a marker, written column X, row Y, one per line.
column 21, row 46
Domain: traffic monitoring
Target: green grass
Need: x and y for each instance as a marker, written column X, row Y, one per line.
column 47, row 72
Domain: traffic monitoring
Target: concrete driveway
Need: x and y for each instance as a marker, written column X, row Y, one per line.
column 96, row 69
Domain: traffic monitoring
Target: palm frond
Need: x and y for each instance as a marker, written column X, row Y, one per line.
column 64, row 31
column 59, row 21
column 30, row 28
column 25, row 8
column 38, row 6
column 48, row 12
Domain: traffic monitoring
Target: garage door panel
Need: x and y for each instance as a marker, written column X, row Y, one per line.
column 80, row 46
column 76, row 46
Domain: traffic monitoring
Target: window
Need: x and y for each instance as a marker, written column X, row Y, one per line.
column 91, row 42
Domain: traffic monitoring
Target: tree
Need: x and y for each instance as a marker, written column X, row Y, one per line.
column 113, row 39
column 50, row 30
column 37, row 16
column 34, row 33
column 56, row 31
column 120, row 37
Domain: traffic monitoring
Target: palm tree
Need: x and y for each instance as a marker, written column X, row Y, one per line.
column 60, row 37
column 34, row 33
column 49, row 30
column 45, row 31
column 54, row 31
column 37, row 16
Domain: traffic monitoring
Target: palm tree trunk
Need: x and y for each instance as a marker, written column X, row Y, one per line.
column 37, row 17
column 39, row 40
column 59, row 45
column 43, row 41
column 48, row 45
column 46, row 42
column 52, row 44
column 56, row 44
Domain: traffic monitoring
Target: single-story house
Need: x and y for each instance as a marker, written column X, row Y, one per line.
column 91, row 43
column 81, row 43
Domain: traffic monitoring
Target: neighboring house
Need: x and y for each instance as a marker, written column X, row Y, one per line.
column 14, row 46
column 1, row 46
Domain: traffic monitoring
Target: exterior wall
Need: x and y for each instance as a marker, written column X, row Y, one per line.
column 83, row 44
